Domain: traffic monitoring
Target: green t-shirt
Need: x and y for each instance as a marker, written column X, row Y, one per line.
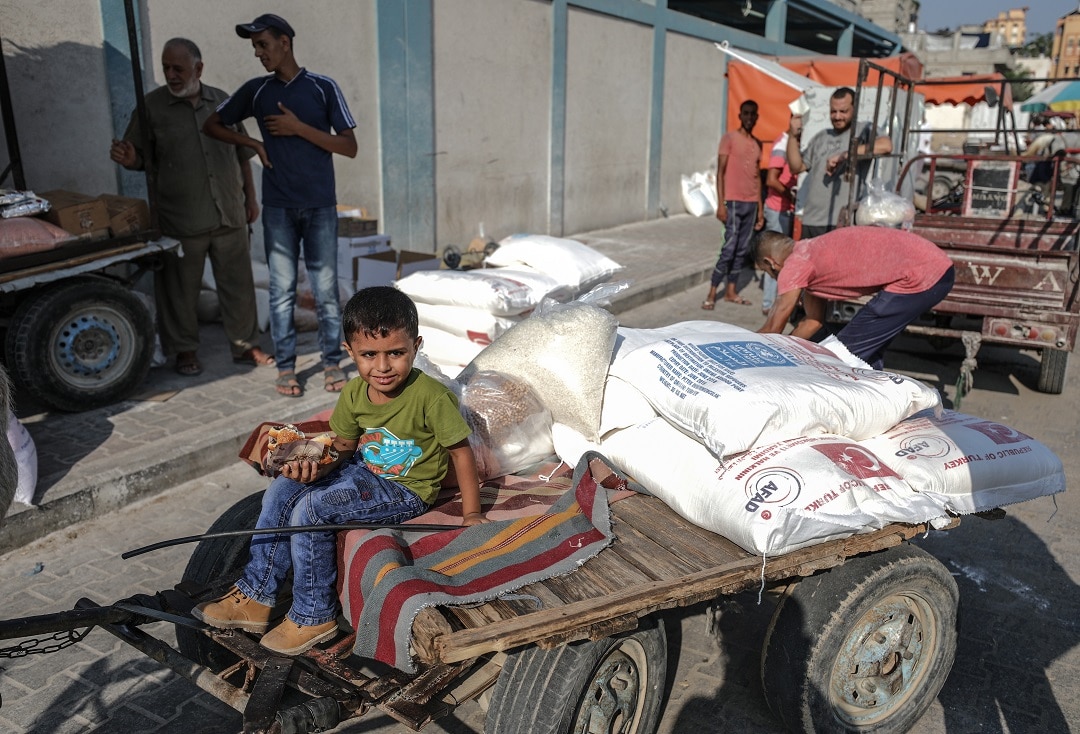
column 405, row 440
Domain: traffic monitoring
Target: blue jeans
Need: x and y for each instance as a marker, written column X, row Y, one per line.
column 886, row 315
column 741, row 217
column 285, row 232
column 775, row 221
column 350, row 494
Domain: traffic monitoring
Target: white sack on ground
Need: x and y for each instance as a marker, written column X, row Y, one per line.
column 742, row 391
column 562, row 353
column 772, row 500
column 699, row 194
column 473, row 324
column 499, row 291
column 26, row 459
column 569, row 262
column 969, row 464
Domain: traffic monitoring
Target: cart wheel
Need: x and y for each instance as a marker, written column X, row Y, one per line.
column 615, row 684
column 81, row 344
column 213, row 560
column 1052, row 366
column 865, row 647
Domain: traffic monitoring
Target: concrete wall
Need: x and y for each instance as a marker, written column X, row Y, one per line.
column 694, row 95
column 609, row 72
column 56, row 69
column 492, row 118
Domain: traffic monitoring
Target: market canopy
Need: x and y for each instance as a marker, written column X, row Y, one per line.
column 969, row 89
column 1060, row 97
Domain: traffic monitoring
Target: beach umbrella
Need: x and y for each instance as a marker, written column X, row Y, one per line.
column 1059, row 97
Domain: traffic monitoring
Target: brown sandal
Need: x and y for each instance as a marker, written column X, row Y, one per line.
column 334, row 379
column 286, row 384
column 188, row 365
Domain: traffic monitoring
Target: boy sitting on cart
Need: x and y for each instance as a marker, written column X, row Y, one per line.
column 409, row 426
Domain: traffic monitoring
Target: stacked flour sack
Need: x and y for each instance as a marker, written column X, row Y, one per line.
column 778, row 443
column 462, row 312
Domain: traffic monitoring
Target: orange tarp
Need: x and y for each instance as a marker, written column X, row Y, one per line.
column 963, row 89
column 773, row 96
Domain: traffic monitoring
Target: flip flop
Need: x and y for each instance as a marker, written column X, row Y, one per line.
column 286, row 384
column 334, row 379
column 737, row 299
column 255, row 357
column 708, row 305
column 187, row 364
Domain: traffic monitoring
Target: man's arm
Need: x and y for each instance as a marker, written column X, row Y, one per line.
column 815, row 317
column 772, row 182
column 794, row 155
column 216, row 129
column 251, row 203
column 781, row 311
column 287, row 123
column 721, row 204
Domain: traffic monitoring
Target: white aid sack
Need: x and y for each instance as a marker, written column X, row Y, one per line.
column 623, row 407
column 696, row 194
column 745, row 390
column 562, row 353
column 628, row 339
column 569, row 262
column 446, row 349
column 774, row 499
column 969, row 464
column 499, row 291
column 473, row 324
column 26, row 459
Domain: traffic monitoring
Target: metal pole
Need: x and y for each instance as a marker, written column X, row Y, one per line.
column 149, row 160
column 8, row 114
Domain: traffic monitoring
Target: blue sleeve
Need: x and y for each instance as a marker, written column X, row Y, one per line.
column 337, row 108
column 239, row 106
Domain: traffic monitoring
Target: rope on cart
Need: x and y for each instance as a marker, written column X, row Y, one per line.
column 972, row 340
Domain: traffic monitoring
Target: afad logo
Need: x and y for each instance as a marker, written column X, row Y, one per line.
column 772, row 487
column 386, row 454
column 924, row 447
column 878, row 375
column 855, row 460
column 998, row 433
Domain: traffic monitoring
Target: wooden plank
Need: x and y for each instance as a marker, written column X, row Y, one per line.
column 653, row 519
column 652, row 559
column 643, row 599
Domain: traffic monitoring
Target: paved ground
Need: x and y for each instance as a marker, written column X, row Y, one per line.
column 1017, row 668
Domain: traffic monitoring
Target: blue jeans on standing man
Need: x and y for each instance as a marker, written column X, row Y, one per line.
column 350, row 494
column 286, row 231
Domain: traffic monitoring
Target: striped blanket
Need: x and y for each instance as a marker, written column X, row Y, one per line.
column 386, row 577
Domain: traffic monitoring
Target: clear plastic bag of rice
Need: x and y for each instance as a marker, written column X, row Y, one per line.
column 511, row 428
column 884, row 208
column 561, row 352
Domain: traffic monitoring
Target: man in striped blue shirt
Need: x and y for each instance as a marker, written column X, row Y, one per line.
column 304, row 120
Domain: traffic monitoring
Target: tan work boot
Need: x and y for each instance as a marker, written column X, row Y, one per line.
column 234, row 611
column 290, row 638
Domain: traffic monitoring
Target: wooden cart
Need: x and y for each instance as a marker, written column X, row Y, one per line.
column 863, row 641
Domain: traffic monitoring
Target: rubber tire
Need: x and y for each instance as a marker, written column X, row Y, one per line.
column 543, row 691
column 1052, row 366
column 108, row 317
column 824, row 616
column 212, row 560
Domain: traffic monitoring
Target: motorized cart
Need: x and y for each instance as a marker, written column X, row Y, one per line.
column 863, row 636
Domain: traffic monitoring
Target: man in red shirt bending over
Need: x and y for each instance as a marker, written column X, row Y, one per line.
column 907, row 273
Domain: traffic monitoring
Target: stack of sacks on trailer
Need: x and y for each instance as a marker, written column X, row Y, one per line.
column 777, row 443
column 461, row 312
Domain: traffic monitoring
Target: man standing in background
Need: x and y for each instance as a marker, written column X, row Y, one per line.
column 304, row 120
column 738, row 191
column 206, row 199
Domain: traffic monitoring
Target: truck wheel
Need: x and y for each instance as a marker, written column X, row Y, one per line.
column 615, row 685
column 213, row 560
column 865, row 647
column 1052, row 366
column 81, row 344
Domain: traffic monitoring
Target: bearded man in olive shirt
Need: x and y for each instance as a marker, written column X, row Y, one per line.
column 206, row 199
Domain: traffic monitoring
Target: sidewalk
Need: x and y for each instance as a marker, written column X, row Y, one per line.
column 180, row 428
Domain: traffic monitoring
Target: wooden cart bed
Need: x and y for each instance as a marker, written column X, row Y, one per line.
column 657, row 561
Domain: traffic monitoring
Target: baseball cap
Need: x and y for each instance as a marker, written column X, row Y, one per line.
column 264, row 21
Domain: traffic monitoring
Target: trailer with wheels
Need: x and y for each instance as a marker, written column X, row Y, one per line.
column 76, row 334
column 863, row 637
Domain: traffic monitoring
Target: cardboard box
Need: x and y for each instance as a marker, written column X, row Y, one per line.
column 383, row 268
column 357, row 226
column 127, row 215
column 77, row 213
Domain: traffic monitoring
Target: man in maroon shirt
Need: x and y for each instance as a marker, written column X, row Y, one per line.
column 907, row 274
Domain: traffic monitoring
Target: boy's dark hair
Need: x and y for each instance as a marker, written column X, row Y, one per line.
column 379, row 310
